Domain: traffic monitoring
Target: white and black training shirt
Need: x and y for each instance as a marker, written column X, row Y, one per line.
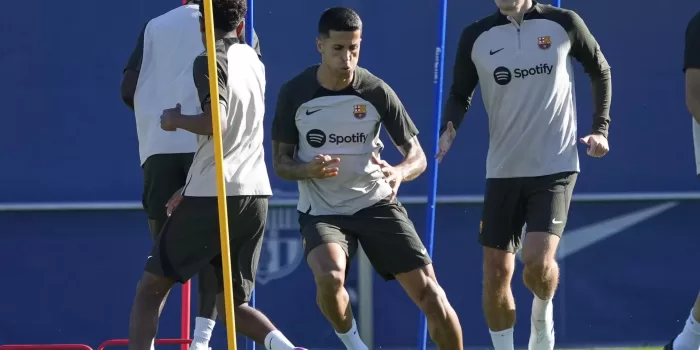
column 241, row 79
column 344, row 124
column 527, row 84
column 692, row 60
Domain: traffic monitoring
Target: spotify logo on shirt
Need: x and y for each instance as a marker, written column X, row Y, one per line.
column 316, row 138
column 502, row 75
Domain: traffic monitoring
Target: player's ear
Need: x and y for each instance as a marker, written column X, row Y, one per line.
column 319, row 45
column 240, row 28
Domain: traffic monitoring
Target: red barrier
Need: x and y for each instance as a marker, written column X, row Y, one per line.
column 124, row 342
column 185, row 316
column 46, row 347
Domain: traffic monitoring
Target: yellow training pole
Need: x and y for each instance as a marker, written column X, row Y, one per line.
column 220, row 185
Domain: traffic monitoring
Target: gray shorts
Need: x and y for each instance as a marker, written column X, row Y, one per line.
column 387, row 235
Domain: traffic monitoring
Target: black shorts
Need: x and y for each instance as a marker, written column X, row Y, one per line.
column 387, row 235
column 541, row 202
column 190, row 240
column 163, row 174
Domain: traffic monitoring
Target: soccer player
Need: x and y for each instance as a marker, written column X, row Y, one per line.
column 157, row 76
column 326, row 137
column 521, row 56
column 189, row 241
column 689, row 339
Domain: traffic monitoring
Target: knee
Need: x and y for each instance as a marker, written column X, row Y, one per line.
column 498, row 267
column 432, row 298
column 330, row 280
column 152, row 287
column 537, row 265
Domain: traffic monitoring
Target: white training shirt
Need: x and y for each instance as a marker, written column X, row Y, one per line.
column 167, row 47
column 241, row 78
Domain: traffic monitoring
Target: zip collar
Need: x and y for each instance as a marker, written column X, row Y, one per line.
column 533, row 11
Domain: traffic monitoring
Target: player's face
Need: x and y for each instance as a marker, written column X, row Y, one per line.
column 340, row 50
column 509, row 5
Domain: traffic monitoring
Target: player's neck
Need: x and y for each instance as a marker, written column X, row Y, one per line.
column 220, row 34
column 518, row 12
column 331, row 81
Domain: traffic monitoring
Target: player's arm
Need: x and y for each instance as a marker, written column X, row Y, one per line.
column 691, row 65
column 404, row 135
column 201, row 124
column 585, row 49
column 464, row 81
column 285, row 138
column 131, row 72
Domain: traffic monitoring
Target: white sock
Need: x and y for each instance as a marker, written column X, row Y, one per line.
column 689, row 339
column 542, row 310
column 351, row 339
column 502, row 340
column 541, row 325
column 203, row 328
column 275, row 340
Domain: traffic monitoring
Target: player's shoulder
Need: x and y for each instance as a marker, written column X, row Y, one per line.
column 567, row 18
column 304, row 80
column 370, row 85
column 475, row 29
column 187, row 11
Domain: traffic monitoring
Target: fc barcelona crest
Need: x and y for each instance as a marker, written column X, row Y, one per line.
column 544, row 42
column 359, row 111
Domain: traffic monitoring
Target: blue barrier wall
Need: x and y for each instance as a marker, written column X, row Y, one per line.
column 70, row 277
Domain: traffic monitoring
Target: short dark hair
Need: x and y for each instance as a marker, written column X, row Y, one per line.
column 228, row 14
column 341, row 19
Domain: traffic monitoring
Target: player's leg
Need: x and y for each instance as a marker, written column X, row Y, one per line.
column 548, row 198
column 392, row 244
column 178, row 166
column 178, row 253
column 207, row 289
column 328, row 250
column 500, row 233
column 162, row 176
column 247, row 218
column 689, row 338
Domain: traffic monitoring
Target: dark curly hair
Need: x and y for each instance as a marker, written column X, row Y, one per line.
column 228, row 14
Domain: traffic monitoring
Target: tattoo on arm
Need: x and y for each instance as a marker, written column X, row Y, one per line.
column 414, row 161
column 285, row 165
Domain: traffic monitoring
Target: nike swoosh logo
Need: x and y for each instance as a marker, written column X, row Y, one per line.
column 492, row 52
column 581, row 238
column 310, row 112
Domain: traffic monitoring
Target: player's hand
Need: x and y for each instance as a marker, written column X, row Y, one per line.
column 173, row 202
column 446, row 141
column 597, row 145
column 167, row 119
column 321, row 167
column 393, row 176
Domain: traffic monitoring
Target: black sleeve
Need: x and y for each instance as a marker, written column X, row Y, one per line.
column 136, row 57
column 200, row 72
column 284, row 125
column 585, row 49
column 464, row 79
column 395, row 119
column 692, row 44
